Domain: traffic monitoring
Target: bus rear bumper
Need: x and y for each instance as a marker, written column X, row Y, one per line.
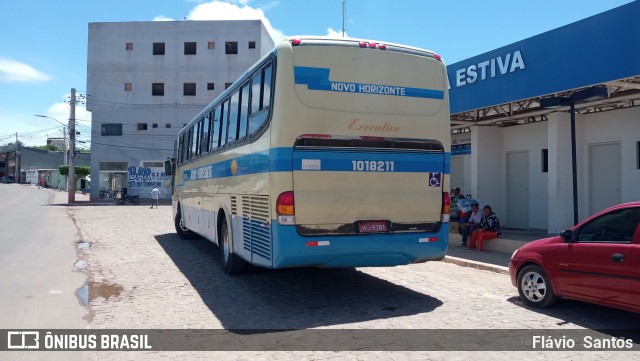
column 371, row 250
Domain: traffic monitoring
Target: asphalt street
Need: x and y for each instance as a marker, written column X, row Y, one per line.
column 38, row 243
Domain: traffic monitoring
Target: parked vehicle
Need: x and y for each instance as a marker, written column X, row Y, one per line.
column 128, row 199
column 8, row 179
column 596, row 261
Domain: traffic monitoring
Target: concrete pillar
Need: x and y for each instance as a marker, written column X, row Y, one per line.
column 560, row 173
column 487, row 168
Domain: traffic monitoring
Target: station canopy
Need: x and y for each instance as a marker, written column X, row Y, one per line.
column 594, row 63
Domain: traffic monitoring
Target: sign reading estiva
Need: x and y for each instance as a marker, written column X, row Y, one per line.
column 318, row 79
column 489, row 68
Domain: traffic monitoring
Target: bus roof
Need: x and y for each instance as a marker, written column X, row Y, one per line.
column 363, row 43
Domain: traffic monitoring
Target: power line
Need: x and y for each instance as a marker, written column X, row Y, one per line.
column 132, row 146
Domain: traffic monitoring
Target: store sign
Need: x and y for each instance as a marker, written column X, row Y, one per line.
column 490, row 68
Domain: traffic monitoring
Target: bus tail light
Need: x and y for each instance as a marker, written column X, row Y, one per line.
column 363, row 44
column 295, row 42
column 446, row 206
column 285, row 208
column 437, row 56
column 382, row 47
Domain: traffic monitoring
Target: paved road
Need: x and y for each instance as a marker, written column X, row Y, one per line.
column 143, row 276
column 37, row 254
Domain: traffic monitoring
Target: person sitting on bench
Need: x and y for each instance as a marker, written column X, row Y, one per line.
column 489, row 229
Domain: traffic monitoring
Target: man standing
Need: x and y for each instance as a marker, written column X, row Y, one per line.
column 155, row 195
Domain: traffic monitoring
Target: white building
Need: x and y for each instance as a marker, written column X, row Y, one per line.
column 511, row 116
column 146, row 80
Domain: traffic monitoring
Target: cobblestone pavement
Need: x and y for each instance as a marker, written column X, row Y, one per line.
column 142, row 275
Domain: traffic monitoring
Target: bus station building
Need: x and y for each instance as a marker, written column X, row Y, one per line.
column 511, row 114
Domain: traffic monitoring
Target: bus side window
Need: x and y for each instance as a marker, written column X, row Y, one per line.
column 244, row 111
column 215, row 128
column 194, row 139
column 188, row 144
column 178, row 150
column 260, row 97
column 266, row 92
column 256, row 84
column 224, row 119
column 204, row 143
column 232, row 136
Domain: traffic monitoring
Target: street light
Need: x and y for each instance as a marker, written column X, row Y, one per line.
column 580, row 96
column 64, row 135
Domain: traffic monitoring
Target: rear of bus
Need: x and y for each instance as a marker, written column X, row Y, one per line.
column 360, row 153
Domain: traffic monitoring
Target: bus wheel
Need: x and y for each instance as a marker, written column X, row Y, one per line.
column 182, row 230
column 230, row 262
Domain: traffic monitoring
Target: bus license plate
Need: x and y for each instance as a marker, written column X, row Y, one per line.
column 372, row 226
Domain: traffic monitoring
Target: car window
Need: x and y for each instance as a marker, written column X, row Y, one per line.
column 614, row 227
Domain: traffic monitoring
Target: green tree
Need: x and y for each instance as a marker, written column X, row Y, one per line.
column 80, row 171
column 50, row 147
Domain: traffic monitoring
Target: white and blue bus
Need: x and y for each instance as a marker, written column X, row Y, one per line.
column 327, row 153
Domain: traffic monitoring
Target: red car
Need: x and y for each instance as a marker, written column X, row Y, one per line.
column 596, row 261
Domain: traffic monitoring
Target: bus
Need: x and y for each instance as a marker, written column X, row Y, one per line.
column 325, row 153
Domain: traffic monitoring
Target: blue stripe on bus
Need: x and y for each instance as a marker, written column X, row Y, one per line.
column 290, row 249
column 396, row 162
column 284, row 159
column 318, row 79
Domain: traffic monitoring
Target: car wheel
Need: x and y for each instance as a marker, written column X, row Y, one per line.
column 230, row 262
column 182, row 230
column 535, row 288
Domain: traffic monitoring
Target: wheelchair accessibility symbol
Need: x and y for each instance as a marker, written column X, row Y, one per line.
column 434, row 179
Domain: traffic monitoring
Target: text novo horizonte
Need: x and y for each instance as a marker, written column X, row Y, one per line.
column 368, row 88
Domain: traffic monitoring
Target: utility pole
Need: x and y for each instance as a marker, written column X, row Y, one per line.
column 16, row 169
column 344, row 16
column 71, row 184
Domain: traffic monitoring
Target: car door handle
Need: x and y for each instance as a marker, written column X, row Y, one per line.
column 617, row 257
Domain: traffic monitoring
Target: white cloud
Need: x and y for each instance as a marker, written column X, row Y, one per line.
column 234, row 10
column 336, row 33
column 162, row 18
column 60, row 111
column 12, row 71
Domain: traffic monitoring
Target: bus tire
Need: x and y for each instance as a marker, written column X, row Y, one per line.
column 231, row 263
column 182, row 230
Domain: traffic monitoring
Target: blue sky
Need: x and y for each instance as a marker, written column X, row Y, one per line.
column 43, row 43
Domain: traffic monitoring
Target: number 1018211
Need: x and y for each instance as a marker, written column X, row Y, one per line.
column 373, row 165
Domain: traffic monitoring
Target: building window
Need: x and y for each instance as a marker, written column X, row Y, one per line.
column 113, row 177
column 158, row 48
column 190, row 48
column 154, row 125
column 127, row 87
column 545, row 161
column 142, row 126
column 252, row 45
column 231, row 47
column 129, row 46
column 189, row 89
column 156, row 164
column 168, row 125
column 227, row 85
column 110, row 129
column 211, row 86
column 157, row 89
column 211, row 45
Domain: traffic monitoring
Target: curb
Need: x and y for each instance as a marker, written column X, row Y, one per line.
column 477, row 265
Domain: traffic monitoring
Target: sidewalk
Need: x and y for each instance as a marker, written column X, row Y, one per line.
column 497, row 252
